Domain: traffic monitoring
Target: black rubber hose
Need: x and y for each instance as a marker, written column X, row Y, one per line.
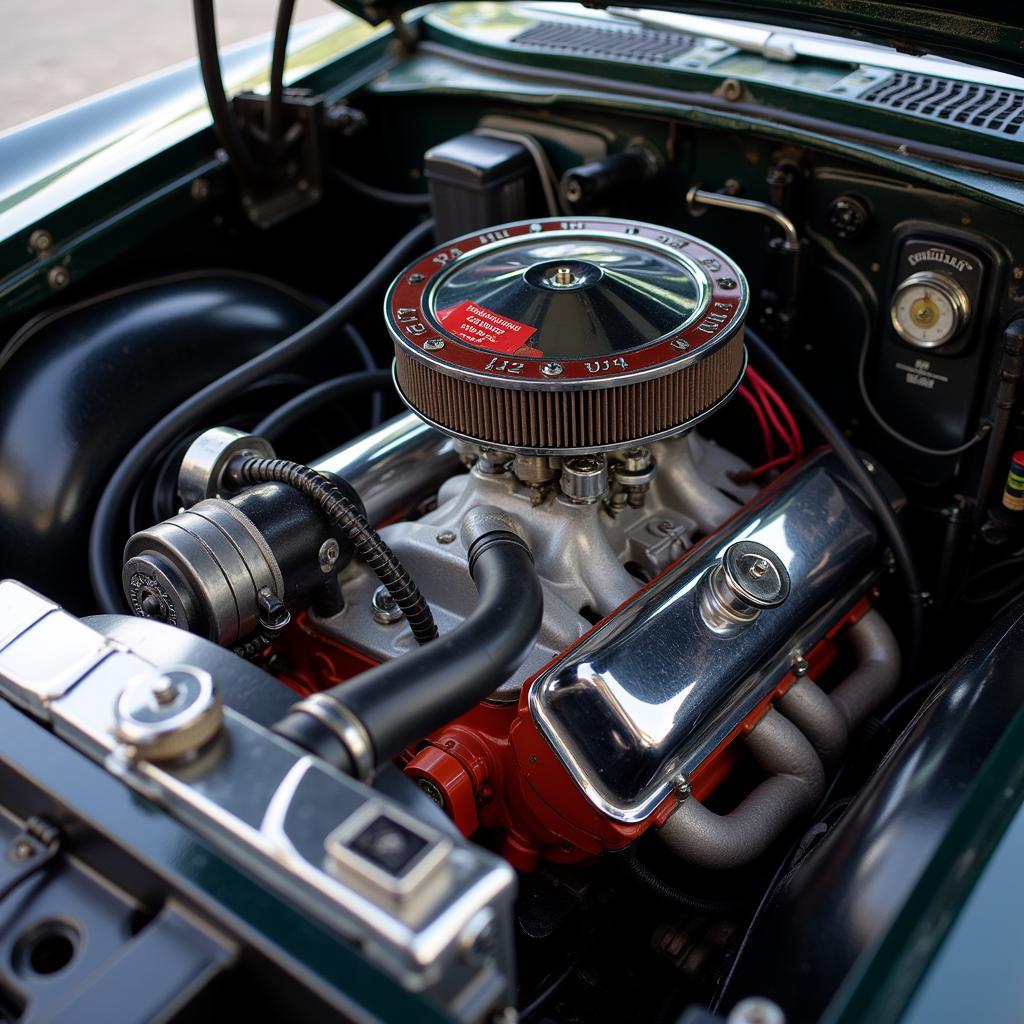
column 298, row 408
column 102, row 557
column 377, row 555
column 401, row 701
column 868, row 486
column 275, row 99
column 630, row 860
column 224, row 123
column 382, row 195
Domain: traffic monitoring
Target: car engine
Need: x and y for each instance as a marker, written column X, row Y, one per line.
column 573, row 656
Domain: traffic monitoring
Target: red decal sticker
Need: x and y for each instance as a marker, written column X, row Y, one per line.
column 486, row 329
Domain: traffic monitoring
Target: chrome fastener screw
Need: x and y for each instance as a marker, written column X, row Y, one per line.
column 800, row 665
column 680, row 343
column 58, row 278
column 328, row 554
column 552, row 369
column 40, row 242
column 22, row 850
column 415, row 278
column 385, row 607
column 164, row 690
column 433, row 345
column 445, row 537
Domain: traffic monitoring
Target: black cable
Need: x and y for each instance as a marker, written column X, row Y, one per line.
column 968, row 596
column 374, row 551
column 867, row 485
column 979, row 435
column 650, row 880
column 273, row 425
column 224, row 123
column 102, row 553
column 366, row 355
column 382, row 195
column 275, row 99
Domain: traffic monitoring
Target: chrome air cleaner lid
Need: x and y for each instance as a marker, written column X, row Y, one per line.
column 555, row 336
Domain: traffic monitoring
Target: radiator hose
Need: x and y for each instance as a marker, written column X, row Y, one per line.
column 365, row 722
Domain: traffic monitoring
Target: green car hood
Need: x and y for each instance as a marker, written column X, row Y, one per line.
column 986, row 33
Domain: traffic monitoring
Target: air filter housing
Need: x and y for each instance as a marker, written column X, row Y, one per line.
column 554, row 337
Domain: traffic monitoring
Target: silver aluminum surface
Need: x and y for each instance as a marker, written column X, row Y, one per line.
column 652, row 692
column 580, row 550
column 272, row 808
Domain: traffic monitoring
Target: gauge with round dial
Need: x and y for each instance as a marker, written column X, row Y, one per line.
column 929, row 310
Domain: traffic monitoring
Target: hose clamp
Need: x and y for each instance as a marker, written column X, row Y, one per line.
column 337, row 718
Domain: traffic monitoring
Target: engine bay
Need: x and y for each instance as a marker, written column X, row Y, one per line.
column 535, row 633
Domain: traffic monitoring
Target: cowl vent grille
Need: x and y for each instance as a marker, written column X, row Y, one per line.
column 965, row 103
column 647, row 45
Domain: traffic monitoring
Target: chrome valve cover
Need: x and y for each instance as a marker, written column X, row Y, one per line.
column 646, row 697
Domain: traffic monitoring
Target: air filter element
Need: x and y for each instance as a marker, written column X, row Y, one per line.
column 554, row 337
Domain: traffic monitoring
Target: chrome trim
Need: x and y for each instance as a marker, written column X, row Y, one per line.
column 651, row 692
column 390, row 467
column 669, row 366
column 349, row 730
column 698, row 197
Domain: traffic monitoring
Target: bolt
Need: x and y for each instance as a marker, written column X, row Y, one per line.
column 759, row 568
column 682, row 787
column 153, row 605
column 433, row 345
column 800, row 665
column 58, row 278
column 385, row 607
column 165, row 690
column 200, row 189
column 415, row 278
column 445, row 537
column 552, row 369
column 726, row 282
column 680, row 343
column 273, row 613
column 756, row 1010
column 22, row 850
column 40, row 242
column 731, row 90
column 564, row 277
column 536, row 227
column 328, row 554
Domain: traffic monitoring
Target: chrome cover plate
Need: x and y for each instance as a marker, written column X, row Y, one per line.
column 648, row 695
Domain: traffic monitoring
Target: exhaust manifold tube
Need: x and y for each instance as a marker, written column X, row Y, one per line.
column 827, row 719
column 793, row 747
column 794, row 786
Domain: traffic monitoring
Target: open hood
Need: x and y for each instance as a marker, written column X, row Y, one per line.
column 985, row 33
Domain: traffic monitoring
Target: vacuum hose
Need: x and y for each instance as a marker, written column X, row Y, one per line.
column 247, row 470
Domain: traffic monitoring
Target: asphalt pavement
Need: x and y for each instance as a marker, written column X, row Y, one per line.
column 56, row 52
